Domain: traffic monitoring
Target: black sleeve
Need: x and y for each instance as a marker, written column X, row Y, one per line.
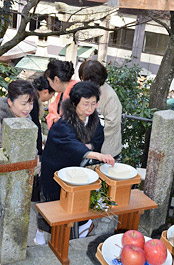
column 35, row 118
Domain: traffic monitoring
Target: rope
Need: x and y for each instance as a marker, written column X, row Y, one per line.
column 18, row 166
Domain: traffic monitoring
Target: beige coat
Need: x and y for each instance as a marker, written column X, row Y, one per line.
column 110, row 110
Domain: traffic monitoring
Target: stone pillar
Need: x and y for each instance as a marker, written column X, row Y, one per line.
column 71, row 53
column 19, row 142
column 21, row 4
column 42, row 42
column 160, row 169
column 103, row 44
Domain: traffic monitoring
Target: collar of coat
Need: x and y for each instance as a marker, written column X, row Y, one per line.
column 5, row 111
column 84, row 133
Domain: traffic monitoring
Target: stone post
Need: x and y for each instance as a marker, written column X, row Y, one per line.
column 160, row 169
column 71, row 53
column 19, row 141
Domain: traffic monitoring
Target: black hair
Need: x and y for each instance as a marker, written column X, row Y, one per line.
column 85, row 89
column 62, row 69
column 93, row 70
column 42, row 83
column 81, row 70
column 21, row 87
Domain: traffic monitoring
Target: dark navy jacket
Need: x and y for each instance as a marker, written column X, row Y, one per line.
column 63, row 149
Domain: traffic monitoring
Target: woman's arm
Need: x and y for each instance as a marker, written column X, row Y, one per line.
column 101, row 157
column 53, row 115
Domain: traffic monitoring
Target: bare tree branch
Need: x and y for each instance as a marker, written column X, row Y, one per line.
column 21, row 34
column 72, row 28
column 160, row 22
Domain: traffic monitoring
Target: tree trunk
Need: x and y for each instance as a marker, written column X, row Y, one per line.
column 160, row 87
column 4, row 19
column 21, row 33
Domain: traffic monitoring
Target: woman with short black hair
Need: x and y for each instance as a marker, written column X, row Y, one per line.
column 19, row 101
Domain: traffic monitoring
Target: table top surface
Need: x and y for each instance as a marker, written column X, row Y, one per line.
column 54, row 214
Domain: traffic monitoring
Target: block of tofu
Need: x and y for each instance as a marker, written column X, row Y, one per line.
column 119, row 171
column 76, row 175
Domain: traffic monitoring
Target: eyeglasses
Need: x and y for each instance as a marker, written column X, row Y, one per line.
column 87, row 105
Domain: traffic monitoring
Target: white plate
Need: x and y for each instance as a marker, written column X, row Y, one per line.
column 92, row 176
column 133, row 172
column 110, row 251
column 170, row 234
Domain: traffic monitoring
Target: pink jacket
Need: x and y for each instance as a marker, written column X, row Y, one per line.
column 52, row 108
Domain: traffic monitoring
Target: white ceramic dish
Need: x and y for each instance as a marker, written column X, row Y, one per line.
column 110, row 251
column 105, row 167
column 92, row 175
column 170, row 235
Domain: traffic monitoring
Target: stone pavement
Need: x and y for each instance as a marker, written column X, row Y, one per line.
column 81, row 251
column 42, row 255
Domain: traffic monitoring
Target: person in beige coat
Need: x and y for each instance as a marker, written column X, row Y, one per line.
column 109, row 106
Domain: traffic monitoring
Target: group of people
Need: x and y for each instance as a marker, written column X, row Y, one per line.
column 84, row 120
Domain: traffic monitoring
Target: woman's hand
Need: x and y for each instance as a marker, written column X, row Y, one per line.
column 101, row 157
column 57, row 118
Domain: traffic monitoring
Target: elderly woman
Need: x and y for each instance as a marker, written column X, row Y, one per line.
column 73, row 140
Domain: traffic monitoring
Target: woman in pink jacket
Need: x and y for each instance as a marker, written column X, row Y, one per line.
column 59, row 74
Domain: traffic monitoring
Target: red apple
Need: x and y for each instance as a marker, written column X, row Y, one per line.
column 155, row 252
column 132, row 255
column 133, row 237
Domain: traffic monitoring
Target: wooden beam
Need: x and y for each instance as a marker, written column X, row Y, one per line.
column 147, row 4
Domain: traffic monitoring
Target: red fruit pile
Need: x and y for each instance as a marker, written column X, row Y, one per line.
column 135, row 251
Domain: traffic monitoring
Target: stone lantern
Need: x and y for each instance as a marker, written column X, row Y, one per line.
column 42, row 42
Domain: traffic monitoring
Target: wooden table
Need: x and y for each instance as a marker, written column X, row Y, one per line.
column 61, row 222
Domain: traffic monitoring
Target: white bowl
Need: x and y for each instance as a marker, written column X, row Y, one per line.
column 170, row 235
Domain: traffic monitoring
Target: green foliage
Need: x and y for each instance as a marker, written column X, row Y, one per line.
column 134, row 98
column 7, row 74
column 99, row 200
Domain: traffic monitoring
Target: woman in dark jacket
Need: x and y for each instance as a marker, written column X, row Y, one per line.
column 74, row 139
column 45, row 93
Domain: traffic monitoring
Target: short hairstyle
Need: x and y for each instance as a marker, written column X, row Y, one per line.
column 21, row 87
column 85, row 89
column 42, row 83
column 62, row 69
column 93, row 70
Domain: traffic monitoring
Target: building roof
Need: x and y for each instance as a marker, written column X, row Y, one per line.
column 83, row 52
column 79, row 2
column 33, row 63
column 18, row 51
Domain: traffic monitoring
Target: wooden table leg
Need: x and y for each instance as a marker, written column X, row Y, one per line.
column 129, row 221
column 59, row 242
